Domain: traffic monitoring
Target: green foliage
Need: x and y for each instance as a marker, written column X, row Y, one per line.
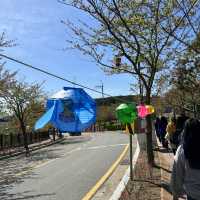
column 185, row 80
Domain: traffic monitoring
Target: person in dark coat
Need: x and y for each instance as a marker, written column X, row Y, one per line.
column 162, row 130
column 180, row 123
column 157, row 128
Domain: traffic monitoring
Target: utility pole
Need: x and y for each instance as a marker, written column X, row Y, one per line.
column 102, row 88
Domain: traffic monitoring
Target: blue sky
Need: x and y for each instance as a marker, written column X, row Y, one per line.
column 40, row 36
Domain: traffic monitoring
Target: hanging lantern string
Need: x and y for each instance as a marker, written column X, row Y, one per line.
column 58, row 77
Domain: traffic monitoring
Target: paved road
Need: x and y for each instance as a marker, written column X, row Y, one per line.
column 65, row 171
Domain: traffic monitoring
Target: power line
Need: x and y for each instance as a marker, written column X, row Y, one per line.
column 58, row 77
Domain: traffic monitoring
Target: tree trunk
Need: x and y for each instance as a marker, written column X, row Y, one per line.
column 150, row 154
column 23, row 128
column 194, row 109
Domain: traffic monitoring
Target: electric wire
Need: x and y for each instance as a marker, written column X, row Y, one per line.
column 58, row 77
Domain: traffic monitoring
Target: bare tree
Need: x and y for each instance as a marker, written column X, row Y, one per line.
column 21, row 100
column 138, row 34
column 5, row 75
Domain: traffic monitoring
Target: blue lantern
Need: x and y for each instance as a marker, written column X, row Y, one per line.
column 69, row 110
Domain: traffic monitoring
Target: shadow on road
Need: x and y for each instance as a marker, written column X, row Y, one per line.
column 24, row 195
column 75, row 139
column 16, row 169
column 7, row 185
column 46, row 153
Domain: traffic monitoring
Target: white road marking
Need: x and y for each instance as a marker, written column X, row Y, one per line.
column 105, row 146
column 73, row 150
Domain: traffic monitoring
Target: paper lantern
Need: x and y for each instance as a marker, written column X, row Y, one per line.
column 142, row 111
column 69, row 110
column 150, row 109
column 126, row 113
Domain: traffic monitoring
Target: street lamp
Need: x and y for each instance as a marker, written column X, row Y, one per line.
column 117, row 60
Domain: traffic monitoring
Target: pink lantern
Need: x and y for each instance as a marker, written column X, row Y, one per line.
column 142, row 111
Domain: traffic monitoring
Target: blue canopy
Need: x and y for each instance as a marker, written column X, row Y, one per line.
column 69, row 110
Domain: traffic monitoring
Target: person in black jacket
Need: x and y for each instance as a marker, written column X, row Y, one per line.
column 163, row 126
column 157, row 128
column 180, row 123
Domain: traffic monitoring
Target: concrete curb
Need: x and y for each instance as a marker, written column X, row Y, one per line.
column 37, row 147
column 120, row 188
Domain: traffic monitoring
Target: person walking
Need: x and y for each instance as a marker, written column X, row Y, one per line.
column 180, row 123
column 162, row 130
column 185, row 178
column 157, row 128
column 171, row 129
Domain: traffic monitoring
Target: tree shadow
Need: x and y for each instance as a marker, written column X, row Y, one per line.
column 156, row 182
column 159, row 167
column 163, row 150
column 8, row 184
column 24, row 195
column 166, row 187
column 75, row 139
column 47, row 154
column 15, row 170
column 14, row 165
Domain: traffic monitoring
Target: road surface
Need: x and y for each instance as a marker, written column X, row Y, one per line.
column 65, row 171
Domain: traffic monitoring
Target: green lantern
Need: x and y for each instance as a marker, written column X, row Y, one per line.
column 126, row 113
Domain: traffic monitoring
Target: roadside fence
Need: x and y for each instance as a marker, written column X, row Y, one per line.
column 12, row 140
